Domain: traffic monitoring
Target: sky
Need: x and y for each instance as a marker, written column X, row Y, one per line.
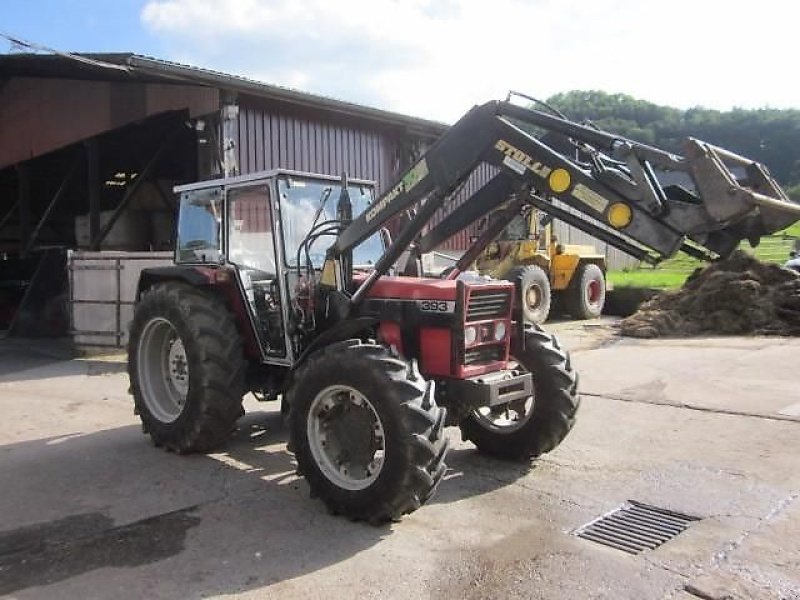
column 437, row 58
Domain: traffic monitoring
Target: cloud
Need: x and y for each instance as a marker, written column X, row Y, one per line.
column 436, row 58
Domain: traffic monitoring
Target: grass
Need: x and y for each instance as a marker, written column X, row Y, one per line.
column 672, row 273
column 647, row 278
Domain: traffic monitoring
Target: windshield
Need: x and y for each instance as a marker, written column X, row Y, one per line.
column 300, row 201
column 199, row 221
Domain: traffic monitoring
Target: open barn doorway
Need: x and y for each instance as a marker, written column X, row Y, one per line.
column 110, row 192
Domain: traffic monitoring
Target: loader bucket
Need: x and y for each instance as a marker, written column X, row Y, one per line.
column 738, row 193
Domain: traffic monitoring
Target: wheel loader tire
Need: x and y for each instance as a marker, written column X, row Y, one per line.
column 533, row 289
column 366, row 431
column 536, row 425
column 586, row 294
column 186, row 368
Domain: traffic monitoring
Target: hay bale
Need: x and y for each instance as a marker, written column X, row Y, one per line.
column 737, row 296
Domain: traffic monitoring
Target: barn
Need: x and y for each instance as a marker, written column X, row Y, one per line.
column 92, row 145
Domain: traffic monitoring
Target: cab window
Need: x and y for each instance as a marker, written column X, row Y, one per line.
column 199, row 223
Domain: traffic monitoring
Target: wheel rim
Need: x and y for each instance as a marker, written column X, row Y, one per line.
column 163, row 370
column 506, row 418
column 346, row 437
column 533, row 297
column 593, row 291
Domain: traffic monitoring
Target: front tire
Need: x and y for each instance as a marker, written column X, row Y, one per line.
column 366, row 431
column 532, row 426
column 186, row 368
column 533, row 292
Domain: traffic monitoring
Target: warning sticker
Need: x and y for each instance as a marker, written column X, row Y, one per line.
column 514, row 165
column 590, row 197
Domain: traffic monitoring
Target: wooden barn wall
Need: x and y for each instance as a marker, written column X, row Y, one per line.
column 272, row 137
column 38, row 116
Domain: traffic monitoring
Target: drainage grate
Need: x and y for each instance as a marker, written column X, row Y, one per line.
column 635, row 527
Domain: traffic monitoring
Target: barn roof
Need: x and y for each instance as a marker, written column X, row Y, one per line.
column 125, row 67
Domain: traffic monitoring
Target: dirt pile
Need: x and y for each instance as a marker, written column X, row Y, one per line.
column 735, row 296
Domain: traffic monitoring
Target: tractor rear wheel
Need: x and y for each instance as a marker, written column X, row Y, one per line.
column 366, row 431
column 533, row 289
column 586, row 294
column 535, row 425
column 186, row 367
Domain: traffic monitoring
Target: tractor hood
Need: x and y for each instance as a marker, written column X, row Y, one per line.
column 410, row 288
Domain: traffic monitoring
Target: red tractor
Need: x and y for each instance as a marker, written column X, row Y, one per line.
column 281, row 291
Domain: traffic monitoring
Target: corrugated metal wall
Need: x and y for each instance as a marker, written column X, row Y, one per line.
column 474, row 182
column 270, row 138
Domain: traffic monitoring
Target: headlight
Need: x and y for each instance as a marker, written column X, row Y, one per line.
column 499, row 331
column 470, row 335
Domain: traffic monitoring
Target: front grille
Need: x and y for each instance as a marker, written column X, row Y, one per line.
column 485, row 354
column 488, row 304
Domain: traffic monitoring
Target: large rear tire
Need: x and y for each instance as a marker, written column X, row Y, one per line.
column 586, row 294
column 186, row 367
column 532, row 426
column 533, row 291
column 366, row 431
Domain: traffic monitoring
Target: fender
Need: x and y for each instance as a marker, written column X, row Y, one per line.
column 341, row 331
column 194, row 276
column 221, row 280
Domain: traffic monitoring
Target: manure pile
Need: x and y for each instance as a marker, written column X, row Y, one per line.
column 736, row 296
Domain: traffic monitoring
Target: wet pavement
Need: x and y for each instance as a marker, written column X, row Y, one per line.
column 706, row 427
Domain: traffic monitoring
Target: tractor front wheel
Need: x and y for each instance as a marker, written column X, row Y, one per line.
column 366, row 431
column 535, row 425
column 186, row 367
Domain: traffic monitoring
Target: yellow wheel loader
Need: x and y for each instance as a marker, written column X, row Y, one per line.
column 546, row 273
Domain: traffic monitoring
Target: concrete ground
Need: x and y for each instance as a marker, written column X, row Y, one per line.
column 708, row 427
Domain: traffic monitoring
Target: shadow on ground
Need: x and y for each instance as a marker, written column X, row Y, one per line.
column 31, row 359
column 222, row 523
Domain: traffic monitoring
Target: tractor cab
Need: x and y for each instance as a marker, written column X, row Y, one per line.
column 268, row 231
column 267, row 236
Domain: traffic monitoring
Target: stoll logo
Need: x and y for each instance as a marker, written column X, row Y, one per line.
column 518, row 158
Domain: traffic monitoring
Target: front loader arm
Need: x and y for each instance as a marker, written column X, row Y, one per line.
column 610, row 183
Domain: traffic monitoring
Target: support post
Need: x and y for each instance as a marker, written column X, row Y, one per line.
column 59, row 193
column 230, row 122
column 24, row 201
column 4, row 221
column 93, row 187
